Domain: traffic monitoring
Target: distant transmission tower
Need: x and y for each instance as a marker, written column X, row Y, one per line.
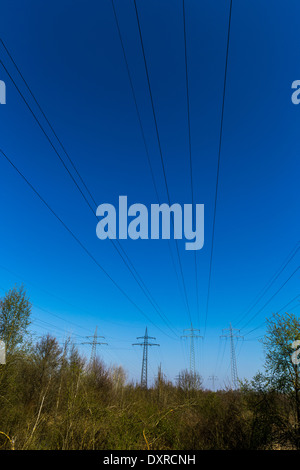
column 232, row 335
column 192, row 335
column 94, row 344
column 145, row 344
column 213, row 378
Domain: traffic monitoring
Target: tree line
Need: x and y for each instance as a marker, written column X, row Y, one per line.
column 51, row 397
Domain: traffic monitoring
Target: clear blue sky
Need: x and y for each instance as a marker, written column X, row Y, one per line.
column 70, row 54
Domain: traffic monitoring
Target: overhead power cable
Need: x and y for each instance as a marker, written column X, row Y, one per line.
column 280, row 310
column 36, row 321
column 59, row 298
column 160, row 152
column 141, row 127
column 271, row 298
column 48, row 122
column 190, row 143
column 53, row 314
column 118, row 248
column 291, row 301
column 218, row 168
column 80, row 243
column 290, row 257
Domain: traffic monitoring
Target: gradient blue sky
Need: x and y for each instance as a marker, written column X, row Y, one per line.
column 70, row 54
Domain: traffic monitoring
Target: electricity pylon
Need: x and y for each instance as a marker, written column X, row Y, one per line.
column 213, row 378
column 94, row 344
column 231, row 335
column 192, row 336
column 145, row 344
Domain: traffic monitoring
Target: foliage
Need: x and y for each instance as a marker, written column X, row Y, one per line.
column 15, row 310
column 52, row 398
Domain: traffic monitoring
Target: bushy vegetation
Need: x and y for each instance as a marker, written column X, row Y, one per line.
column 52, row 398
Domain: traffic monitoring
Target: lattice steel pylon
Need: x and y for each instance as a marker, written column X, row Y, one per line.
column 213, row 378
column 145, row 344
column 231, row 335
column 94, row 344
column 192, row 336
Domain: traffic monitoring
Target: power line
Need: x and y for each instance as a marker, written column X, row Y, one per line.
column 134, row 99
column 55, row 327
column 295, row 298
column 47, row 137
column 271, row 298
column 141, row 126
column 48, row 122
column 291, row 255
column 218, row 168
column 43, row 290
column 160, row 151
column 53, row 314
column 56, row 297
column 126, row 261
column 263, row 324
column 59, row 317
column 280, row 310
column 79, row 242
column 190, row 143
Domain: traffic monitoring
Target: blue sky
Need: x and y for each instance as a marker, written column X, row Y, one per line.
column 70, row 54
